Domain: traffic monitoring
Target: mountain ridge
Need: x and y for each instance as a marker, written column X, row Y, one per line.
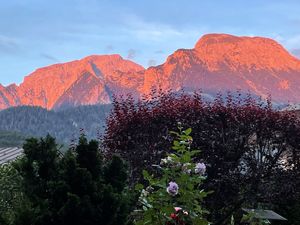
column 218, row 62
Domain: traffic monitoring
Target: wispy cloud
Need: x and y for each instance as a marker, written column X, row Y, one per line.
column 131, row 53
column 159, row 52
column 293, row 41
column 50, row 57
column 296, row 52
column 109, row 48
column 152, row 62
column 8, row 45
column 152, row 31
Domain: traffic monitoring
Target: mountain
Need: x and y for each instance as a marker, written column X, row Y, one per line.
column 221, row 62
column 87, row 81
column 218, row 62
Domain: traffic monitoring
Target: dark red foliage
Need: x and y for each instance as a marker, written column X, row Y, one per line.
column 243, row 141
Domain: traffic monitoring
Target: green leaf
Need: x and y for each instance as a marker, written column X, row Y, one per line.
column 194, row 152
column 200, row 221
column 146, row 175
column 139, row 187
column 141, row 222
column 175, row 147
column 172, row 132
column 190, row 186
column 176, row 143
column 188, row 131
column 186, row 158
column 168, row 209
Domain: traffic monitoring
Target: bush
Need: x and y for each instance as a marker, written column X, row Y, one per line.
column 176, row 195
column 245, row 142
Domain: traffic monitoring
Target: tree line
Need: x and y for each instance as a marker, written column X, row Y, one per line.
column 26, row 121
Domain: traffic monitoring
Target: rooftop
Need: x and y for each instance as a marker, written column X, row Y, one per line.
column 9, row 154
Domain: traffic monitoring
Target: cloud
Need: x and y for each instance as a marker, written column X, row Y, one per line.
column 159, row 52
column 294, row 41
column 8, row 45
column 148, row 30
column 291, row 42
column 151, row 62
column 49, row 57
column 109, row 48
column 131, row 53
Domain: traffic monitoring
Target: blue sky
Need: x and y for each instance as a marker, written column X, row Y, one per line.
column 36, row 33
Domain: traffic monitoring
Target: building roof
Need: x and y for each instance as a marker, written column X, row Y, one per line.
column 264, row 214
column 9, row 154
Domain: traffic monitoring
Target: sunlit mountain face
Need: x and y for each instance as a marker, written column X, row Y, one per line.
column 218, row 62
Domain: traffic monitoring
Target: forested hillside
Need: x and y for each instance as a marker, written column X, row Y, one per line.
column 11, row 138
column 64, row 125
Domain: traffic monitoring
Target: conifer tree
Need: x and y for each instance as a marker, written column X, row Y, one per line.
column 77, row 188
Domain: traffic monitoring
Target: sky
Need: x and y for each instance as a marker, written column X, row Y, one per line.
column 37, row 33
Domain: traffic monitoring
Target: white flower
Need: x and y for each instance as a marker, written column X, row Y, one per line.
column 186, row 168
column 166, row 161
